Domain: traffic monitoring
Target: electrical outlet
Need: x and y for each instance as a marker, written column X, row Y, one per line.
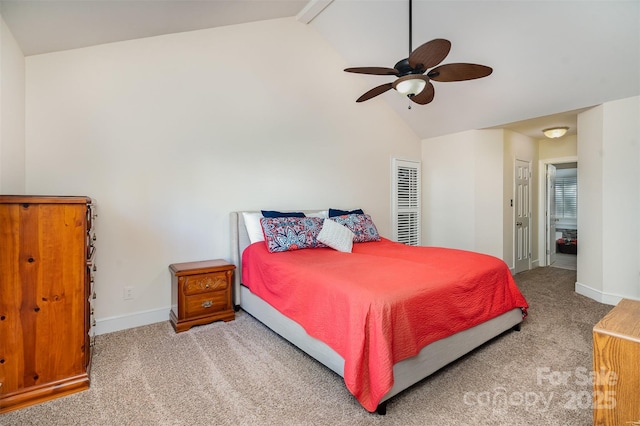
column 128, row 293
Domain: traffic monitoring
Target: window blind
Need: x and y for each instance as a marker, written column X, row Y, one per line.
column 566, row 197
column 406, row 202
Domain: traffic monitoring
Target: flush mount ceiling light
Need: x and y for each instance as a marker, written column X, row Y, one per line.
column 555, row 132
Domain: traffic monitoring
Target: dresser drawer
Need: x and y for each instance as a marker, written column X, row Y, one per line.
column 204, row 283
column 206, row 303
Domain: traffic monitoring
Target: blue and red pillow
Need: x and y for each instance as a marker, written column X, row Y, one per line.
column 291, row 233
column 361, row 225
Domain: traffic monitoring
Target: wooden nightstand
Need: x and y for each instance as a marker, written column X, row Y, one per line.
column 201, row 293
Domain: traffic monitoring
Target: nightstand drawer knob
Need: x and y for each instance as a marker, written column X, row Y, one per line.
column 207, row 304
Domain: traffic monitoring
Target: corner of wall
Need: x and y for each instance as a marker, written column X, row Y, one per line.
column 597, row 295
column 12, row 114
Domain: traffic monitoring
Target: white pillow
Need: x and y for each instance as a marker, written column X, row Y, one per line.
column 323, row 214
column 336, row 236
column 254, row 228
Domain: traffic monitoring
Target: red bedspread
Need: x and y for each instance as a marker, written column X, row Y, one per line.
column 382, row 303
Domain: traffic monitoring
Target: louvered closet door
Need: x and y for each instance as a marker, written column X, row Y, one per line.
column 406, row 201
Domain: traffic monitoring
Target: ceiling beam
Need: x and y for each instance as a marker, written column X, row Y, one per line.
column 312, row 9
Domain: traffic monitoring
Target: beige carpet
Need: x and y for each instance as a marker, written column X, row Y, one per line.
column 240, row 373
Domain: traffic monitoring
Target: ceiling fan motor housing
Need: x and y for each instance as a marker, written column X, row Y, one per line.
column 404, row 68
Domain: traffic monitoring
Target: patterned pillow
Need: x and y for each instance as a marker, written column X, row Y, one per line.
column 361, row 225
column 291, row 233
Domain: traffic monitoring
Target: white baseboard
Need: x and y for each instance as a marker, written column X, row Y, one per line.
column 597, row 295
column 137, row 319
column 534, row 265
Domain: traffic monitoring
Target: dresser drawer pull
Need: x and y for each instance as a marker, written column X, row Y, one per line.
column 207, row 304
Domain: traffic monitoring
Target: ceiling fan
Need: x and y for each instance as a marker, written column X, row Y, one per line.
column 412, row 80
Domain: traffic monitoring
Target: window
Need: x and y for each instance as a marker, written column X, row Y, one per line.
column 406, row 208
column 567, row 197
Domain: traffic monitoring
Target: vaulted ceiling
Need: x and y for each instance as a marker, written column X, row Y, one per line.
column 550, row 58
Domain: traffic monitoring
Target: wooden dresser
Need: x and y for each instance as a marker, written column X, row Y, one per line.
column 46, row 295
column 616, row 366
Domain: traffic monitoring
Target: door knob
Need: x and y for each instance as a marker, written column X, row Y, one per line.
column 518, row 223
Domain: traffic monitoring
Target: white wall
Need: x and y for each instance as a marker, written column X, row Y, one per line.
column 609, row 201
column 567, row 146
column 169, row 134
column 621, row 198
column 468, row 183
column 12, row 139
column 462, row 181
column 590, row 222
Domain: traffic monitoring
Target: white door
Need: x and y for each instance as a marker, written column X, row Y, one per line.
column 551, row 214
column 522, row 240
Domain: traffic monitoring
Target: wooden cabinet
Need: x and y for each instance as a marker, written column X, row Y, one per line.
column 200, row 293
column 616, row 366
column 46, row 295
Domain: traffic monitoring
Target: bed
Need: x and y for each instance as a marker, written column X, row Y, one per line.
column 404, row 372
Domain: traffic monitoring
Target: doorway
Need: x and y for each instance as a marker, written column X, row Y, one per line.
column 558, row 239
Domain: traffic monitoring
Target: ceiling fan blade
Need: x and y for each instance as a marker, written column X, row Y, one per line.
column 373, row 70
column 425, row 96
column 429, row 54
column 375, row 92
column 459, row 72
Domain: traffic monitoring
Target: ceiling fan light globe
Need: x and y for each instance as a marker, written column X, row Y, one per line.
column 410, row 86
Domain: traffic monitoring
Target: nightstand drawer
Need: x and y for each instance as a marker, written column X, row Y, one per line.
column 204, row 283
column 206, row 303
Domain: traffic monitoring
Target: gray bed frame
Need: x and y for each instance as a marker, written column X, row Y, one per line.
column 406, row 373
